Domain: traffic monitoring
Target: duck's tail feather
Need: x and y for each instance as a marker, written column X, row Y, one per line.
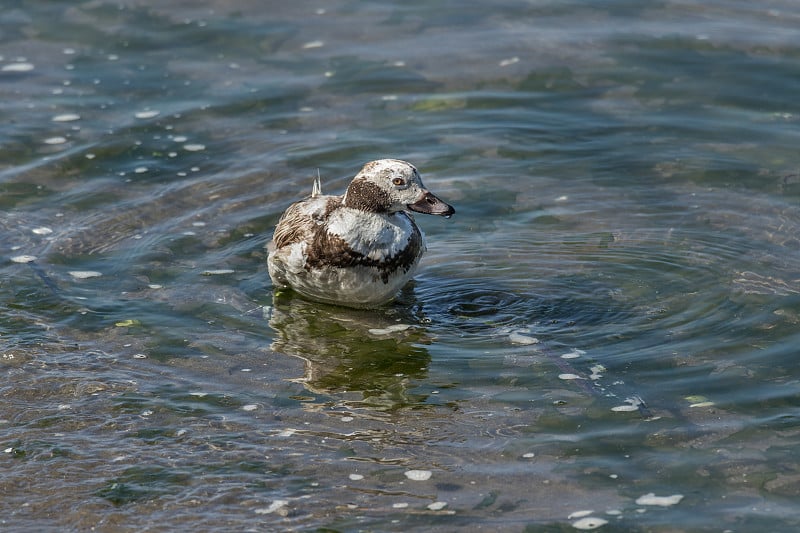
column 316, row 189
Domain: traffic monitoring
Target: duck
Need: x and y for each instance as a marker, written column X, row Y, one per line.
column 357, row 249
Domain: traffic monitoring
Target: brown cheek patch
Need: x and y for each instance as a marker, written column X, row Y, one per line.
column 366, row 196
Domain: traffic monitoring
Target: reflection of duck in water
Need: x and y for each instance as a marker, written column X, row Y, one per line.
column 372, row 356
column 357, row 249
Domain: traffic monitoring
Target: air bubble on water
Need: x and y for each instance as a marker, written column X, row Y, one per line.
column 661, row 501
column 590, row 522
column 21, row 66
column 418, row 475
column 66, row 117
column 147, row 113
column 85, row 274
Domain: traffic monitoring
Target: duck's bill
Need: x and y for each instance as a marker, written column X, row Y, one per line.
column 431, row 205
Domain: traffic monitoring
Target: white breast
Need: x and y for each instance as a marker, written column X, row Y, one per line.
column 375, row 235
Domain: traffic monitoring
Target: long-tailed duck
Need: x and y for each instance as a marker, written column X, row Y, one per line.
column 357, row 249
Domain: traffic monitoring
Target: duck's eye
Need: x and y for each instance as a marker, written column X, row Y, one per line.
column 399, row 181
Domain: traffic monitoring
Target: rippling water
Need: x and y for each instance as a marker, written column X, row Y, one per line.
column 604, row 336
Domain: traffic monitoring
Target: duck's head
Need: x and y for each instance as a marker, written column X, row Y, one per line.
column 391, row 185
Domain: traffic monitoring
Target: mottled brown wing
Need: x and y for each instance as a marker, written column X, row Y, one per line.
column 300, row 220
column 294, row 226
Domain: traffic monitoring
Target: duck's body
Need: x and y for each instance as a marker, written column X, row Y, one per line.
column 357, row 249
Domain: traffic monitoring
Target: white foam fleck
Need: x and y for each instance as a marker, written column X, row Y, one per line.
column 400, row 505
column 437, row 506
column 662, row 501
column 355, row 477
column 569, row 376
column 389, row 329
column 55, row 140
column 194, row 147
column 528, row 455
column 180, row 138
column 23, row 258
column 288, row 432
column 18, row 67
column 580, row 514
column 84, row 274
column 702, row 404
column 218, row 272
column 590, row 522
column 509, row 61
column 313, row 44
column 274, row 506
column 148, row 113
column 518, row 338
column 596, row 372
column 347, row 419
column 574, row 354
column 139, row 356
column 418, row 475
column 633, row 404
column 249, row 407
column 140, row 170
column 66, row 117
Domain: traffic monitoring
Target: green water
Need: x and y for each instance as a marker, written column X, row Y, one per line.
column 612, row 312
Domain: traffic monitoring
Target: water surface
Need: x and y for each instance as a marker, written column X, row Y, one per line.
column 604, row 336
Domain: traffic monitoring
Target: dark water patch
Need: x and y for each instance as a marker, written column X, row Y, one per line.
column 143, row 483
column 351, row 74
column 17, row 195
column 474, row 307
